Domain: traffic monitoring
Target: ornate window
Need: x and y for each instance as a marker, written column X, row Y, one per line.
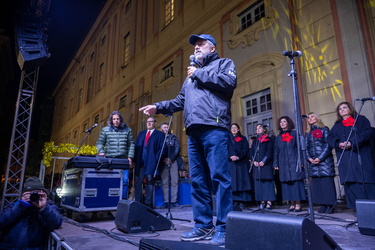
column 247, row 22
column 251, row 15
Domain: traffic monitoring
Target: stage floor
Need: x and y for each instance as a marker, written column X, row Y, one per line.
column 98, row 230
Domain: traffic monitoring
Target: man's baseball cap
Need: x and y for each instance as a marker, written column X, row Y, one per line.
column 193, row 38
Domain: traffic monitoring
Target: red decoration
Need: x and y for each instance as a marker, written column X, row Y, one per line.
column 286, row 137
column 317, row 133
column 348, row 121
column 237, row 139
column 263, row 138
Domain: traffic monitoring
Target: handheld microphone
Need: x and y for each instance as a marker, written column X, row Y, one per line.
column 89, row 130
column 192, row 60
column 366, row 99
column 292, row 54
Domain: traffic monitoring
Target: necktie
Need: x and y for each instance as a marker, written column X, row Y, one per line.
column 148, row 136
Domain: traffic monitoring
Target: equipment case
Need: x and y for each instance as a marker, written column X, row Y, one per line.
column 98, row 162
column 90, row 189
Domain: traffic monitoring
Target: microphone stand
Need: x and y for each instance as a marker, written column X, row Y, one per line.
column 300, row 140
column 168, row 214
column 83, row 139
column 251, row 167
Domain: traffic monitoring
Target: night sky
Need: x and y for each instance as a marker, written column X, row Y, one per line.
column 69, row 23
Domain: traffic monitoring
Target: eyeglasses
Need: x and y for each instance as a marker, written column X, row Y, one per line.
column 150, row 121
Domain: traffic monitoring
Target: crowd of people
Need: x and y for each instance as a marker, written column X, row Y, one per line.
column 225, row 169
column 351, row 137
column 226, row 166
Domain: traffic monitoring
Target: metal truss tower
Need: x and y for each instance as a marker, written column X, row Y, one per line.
column 32, row 52
column 17, row 158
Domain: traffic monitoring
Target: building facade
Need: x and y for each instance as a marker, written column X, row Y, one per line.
column 137, row 51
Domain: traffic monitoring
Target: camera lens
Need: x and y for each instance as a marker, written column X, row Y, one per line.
column 34, row 196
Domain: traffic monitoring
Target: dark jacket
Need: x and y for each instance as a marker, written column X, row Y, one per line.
column 262, row 152
column 148, row 156
column 350, row 169
column 239, row 170
column 116, row 142
column 173, row 150
column 206, row 96
column 27, row 227
column 317, row 147
column 286, row 158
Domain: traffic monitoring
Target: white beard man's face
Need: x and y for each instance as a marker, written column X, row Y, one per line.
column 202, row 49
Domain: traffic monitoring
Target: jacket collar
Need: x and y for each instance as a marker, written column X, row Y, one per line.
column 209, row 58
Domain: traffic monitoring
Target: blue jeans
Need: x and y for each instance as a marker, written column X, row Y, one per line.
column 210, row 175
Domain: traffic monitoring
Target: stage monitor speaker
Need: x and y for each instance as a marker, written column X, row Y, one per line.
column 132, row 217
column 366, row 216
column 155, row 244
column 267, row 231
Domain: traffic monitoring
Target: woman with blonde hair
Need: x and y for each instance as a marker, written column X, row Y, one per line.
column 321, row 164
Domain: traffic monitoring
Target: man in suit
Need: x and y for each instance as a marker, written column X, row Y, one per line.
column 148, row 147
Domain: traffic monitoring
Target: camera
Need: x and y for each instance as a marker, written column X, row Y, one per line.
column 34, row 196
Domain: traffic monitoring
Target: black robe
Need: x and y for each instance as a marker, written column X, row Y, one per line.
column 239, row 170
column 350, row 169
column 262, row 151
column 286, row 158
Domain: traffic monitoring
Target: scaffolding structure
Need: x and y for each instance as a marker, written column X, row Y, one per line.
column 19, row 144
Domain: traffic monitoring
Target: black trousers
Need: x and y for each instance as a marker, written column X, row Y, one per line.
column 150, row 181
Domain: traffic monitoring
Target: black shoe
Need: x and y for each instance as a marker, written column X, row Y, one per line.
column 330, row 210
column 175, row 204
column 242, row 206
column 165, row 205
column 322, row 209
column 268, row 206
column 291, row 209
column 298, row 210
column 262, row 205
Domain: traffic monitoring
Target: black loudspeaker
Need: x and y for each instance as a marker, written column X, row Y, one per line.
column 154, row 244
column 366, row 216
column 132, row 217
column 266, row 231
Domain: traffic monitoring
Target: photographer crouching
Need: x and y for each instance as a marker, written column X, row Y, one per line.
column 26, row 223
